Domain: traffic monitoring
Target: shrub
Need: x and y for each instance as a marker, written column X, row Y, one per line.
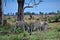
column 5, row 28
column 19, row 30
column 51, row 19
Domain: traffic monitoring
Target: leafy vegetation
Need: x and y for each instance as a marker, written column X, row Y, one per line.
column 51, row 34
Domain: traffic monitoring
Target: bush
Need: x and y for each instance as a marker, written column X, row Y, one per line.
column 5, row 28
column 19, row 30
column 51, row 19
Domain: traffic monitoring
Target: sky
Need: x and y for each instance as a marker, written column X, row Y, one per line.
column 45, row 6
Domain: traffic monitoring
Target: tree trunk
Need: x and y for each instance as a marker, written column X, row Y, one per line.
column 20, row 17
column 20, row 10
column 1, row 13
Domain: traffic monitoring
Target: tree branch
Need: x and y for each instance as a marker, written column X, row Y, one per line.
column 28, row 7
column 34, row 4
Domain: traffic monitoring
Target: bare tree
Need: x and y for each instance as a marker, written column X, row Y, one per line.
column 21, row 7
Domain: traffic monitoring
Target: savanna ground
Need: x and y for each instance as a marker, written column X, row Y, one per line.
column 52, row 33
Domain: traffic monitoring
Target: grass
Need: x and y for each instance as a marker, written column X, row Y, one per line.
column 51, row 34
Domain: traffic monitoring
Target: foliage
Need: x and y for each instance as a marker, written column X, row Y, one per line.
column 19, row 29
column 4, row 28
column 52, row 19
column 50, row 35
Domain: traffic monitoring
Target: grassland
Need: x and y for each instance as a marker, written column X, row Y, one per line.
column 51, row 34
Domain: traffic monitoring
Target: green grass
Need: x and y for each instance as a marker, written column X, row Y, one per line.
column 50, row 35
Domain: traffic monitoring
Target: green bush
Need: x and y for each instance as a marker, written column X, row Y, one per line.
column 19, row 30
column 5, row 28
column 51, row 19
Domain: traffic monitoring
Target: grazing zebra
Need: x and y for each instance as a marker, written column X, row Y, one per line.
column 41, row 26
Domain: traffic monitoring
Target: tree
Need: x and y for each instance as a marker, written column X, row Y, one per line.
column 33, row 13
column 21, row 7
column 1, row 13
column 41, row 13
column 58, row 12
column 27, row 13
